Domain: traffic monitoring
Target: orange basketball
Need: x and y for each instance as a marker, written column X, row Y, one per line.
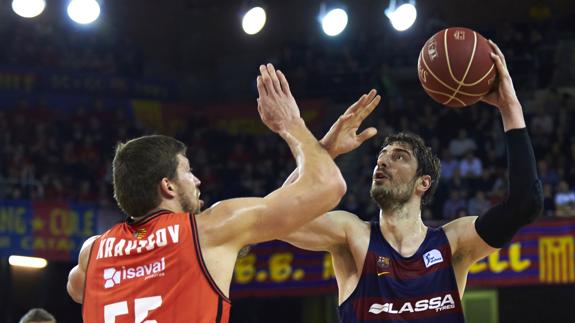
column 455, row 67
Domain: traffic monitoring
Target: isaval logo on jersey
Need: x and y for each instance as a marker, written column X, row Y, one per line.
column 432, row 257
column 114, row 276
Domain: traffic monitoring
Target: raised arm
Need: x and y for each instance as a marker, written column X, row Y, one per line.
column 476, row 237
column 318, row 189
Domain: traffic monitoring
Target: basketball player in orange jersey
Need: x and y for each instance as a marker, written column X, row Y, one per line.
column 169, row 261
column 397, row 269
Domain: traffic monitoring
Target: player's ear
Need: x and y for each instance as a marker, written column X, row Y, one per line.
column 167, row 188
column 424, row 183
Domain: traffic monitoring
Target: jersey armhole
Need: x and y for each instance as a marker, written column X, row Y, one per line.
column 86, row 273
column 201, row 260
column 362, row 268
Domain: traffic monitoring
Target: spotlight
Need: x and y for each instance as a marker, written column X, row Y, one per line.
column 84, row 11
column 29, row 262
column 254, row 20
column 402, row 17
column 334, row 21
column 28, row 8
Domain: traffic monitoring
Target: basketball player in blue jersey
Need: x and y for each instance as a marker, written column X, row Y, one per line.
column 397, row 269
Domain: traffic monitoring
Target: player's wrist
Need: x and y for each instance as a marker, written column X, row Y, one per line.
column 328, row 148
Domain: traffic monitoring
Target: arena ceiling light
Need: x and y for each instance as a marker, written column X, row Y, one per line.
column 28, row 262
column 28, row 8
column 84, row 11
column 403, row 16
column 254, row 20
column 333, row 20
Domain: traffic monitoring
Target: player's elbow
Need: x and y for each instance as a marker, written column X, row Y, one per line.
column 75, row 285
column 335, row 187
column 74, row 294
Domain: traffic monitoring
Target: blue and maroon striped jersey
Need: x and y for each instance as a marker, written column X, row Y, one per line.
column 393, row 288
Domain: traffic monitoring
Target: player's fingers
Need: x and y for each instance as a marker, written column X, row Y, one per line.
column 261, row 88
column 501, row 70
column 261, row 111
column 498, row 51
column 366, row 134
column 371, row 95
column 266, row 80
column 370, row 107
column 357, row 104
column 284, row 83
column 274, row 78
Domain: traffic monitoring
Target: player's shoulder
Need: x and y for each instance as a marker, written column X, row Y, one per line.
column 89, row 242
column 350, row 220
column 460, row 225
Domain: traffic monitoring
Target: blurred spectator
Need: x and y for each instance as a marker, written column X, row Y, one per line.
column 565, row 200
column 455, row 202
column 461, row 212
column 470, row 166
column 462, row 144
column 548, row 200
column 448, row 165
column 546, row 174
column 541, row 123
column 478, row 204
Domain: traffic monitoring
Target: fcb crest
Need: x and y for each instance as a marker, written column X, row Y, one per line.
column 382, row 265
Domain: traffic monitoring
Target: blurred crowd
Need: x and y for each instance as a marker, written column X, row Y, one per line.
column 55, row 46
column 43, row 156
column 70, row 158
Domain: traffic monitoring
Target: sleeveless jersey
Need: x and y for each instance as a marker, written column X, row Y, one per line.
column 151, row 271
column 393, row 289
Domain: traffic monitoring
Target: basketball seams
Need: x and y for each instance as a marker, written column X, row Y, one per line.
column 446, row 85
column 442, row 93
column 466, row 70
column 482, row 78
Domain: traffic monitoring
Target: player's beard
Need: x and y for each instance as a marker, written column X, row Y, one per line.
column 187, row 203
column 392, row 196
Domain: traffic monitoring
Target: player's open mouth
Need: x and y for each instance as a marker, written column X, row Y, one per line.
column 380, row 176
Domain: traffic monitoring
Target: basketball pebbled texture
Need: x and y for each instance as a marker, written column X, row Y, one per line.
column 455, row 67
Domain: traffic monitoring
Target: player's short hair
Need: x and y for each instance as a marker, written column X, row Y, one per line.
column 37, row 315
column 138, row 167
column 427, row 162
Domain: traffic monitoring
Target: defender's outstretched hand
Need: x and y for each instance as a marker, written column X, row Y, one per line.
column 342, row 137
column 276, row 105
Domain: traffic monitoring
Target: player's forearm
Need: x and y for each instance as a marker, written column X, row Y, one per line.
column 314, row 164
column 512, row 116
column 525, row 198
column 295, row 174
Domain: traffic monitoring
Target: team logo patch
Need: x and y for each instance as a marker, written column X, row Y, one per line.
column 140, row 233
column 382, row 265
column 432, row 257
